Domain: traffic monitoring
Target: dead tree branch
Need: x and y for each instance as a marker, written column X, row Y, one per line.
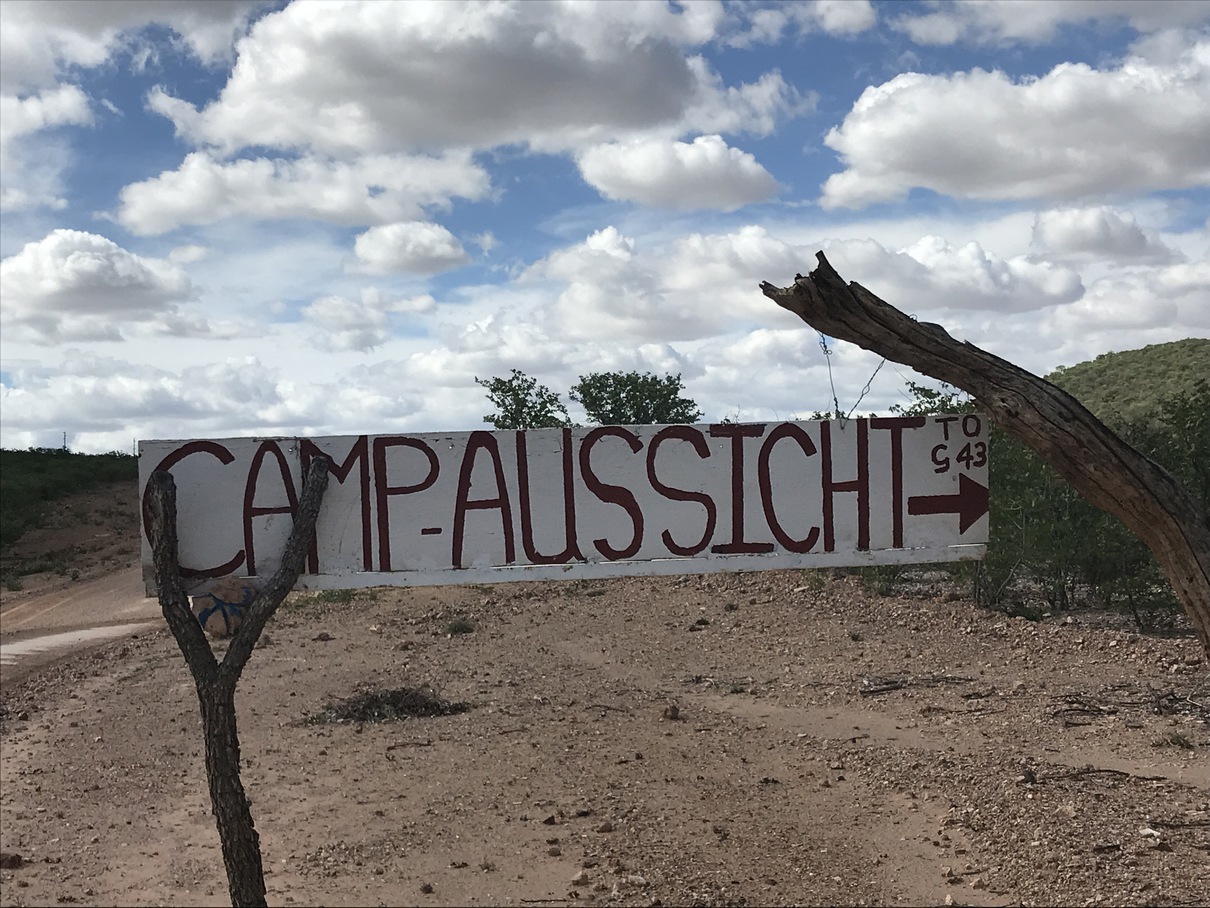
column 1103, row 468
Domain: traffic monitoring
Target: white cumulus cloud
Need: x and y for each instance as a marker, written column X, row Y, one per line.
column 76, row 285
column 933, row 275
column 678, row 175
column 19, row 116
column 31, row 176
column 416, row 247
column 42, row 37
column 361, row 324
column 1035, row 21
column 1097, row 234
column 368, row 190
column 983, row 135
column 756, row 24
column 384, row 77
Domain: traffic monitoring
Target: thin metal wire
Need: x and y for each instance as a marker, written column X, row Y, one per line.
column 827, row 354
column 844, row 417
column 866, row 389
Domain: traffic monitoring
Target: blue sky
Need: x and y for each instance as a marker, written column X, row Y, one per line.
column 226, row 218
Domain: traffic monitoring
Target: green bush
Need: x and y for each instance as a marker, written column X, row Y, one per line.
column 1046, row 542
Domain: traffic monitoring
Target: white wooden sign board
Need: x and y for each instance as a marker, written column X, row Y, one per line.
column 485, row 507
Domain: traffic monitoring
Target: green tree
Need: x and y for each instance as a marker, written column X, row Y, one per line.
column 523, row 403
column 634, row 399
column 926, row 401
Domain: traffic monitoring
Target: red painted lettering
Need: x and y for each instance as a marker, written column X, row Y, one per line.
column 359, row 453
column 485, row 441
column 860, row 485
column 612, row 494
column 214, row 449
column 896, row 425
column 251, row 510
column 737, row 432
column 383, row 490
column 785, row 430
column 698, row 441
column 571, row 549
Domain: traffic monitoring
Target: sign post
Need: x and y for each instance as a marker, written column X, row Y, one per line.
column 486, row 507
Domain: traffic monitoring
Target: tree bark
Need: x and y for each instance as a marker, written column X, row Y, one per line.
column 1103, row 468
column 216, row 682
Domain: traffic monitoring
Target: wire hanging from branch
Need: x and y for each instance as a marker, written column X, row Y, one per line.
column 844, row 417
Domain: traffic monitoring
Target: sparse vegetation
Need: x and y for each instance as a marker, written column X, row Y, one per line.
column 1051, row 550
column 460, row 625
column 387, row 706
column 30, row 480
column 1173, row 739
column 336, row 597
column 1130, row 385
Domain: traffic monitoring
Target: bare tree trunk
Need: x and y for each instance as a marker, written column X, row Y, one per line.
column 216, row 682
column 1107, row 471
column 232, row 812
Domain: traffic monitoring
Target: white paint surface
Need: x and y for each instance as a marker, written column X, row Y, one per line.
column 493, row 506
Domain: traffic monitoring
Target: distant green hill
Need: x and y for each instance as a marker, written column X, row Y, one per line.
column 30, row 479
column 1123, row 386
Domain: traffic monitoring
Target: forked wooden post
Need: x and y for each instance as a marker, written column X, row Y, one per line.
column 1103, row 468
column 216, row 681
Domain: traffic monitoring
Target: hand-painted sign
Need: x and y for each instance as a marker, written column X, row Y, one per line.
column 567, row 503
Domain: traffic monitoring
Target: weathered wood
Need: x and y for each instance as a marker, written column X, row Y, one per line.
column 216, row 682
column 1103, row 468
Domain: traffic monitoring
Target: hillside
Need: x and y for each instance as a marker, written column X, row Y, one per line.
column 31, row 480
column 1120, row 387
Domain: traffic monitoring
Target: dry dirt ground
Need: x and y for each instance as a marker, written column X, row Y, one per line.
column 753, row 739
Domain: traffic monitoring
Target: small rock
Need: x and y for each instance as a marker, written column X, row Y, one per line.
column 607, row 826
column 426, row 888
column 672, row 712
column 265, row 640
column 10, row 860
column 324, row 637
column 554, row 851
column 977, row 883
column 581, row 879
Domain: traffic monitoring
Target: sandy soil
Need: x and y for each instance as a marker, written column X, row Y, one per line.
column 751, row 739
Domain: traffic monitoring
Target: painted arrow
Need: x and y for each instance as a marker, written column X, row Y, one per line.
column 969, row 503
